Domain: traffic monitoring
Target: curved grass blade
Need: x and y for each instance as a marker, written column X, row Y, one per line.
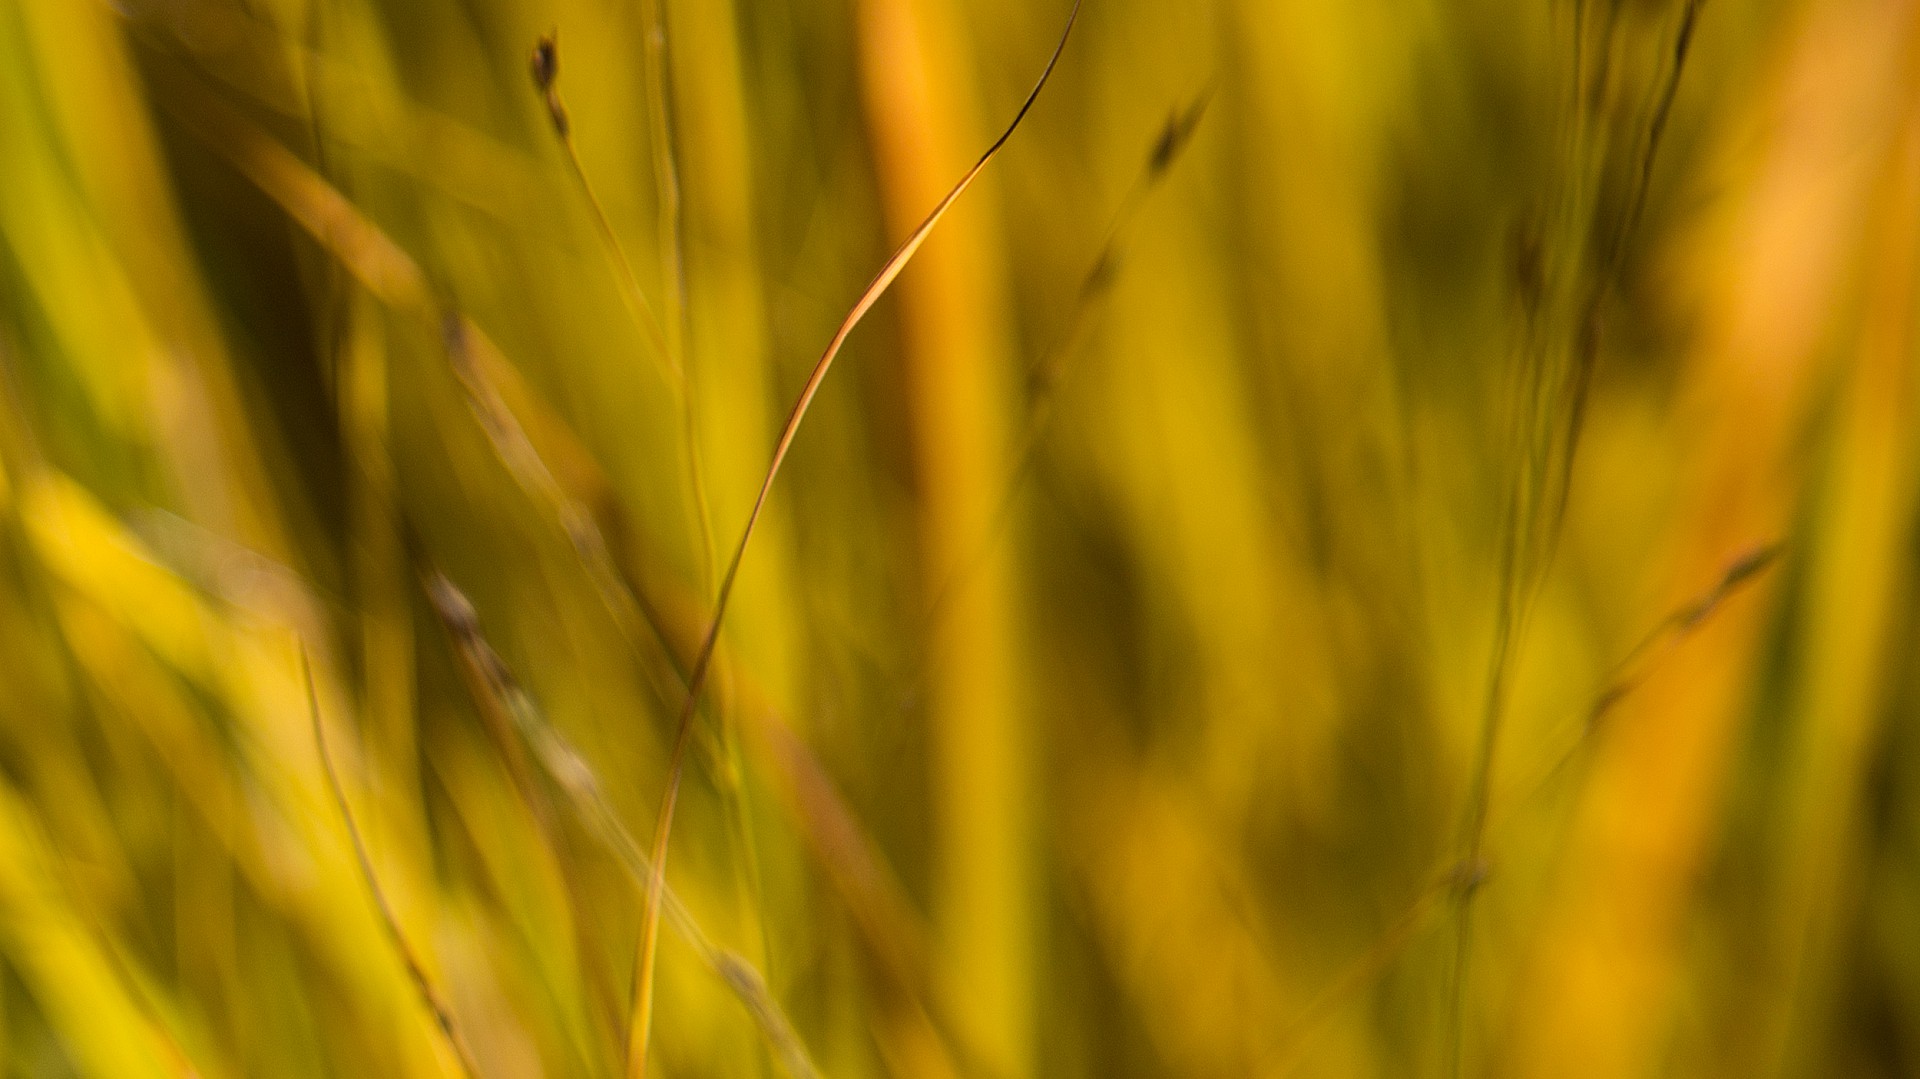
column 697, row 677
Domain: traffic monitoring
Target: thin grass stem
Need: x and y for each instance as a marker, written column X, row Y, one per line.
column 696, row 682
column 429, row 996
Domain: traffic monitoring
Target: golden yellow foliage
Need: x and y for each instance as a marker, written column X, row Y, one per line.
column 1371, row 541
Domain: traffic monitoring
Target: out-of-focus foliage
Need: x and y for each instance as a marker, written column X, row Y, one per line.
column 1377, row 540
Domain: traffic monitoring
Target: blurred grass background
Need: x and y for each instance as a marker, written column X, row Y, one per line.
column 1376, row 540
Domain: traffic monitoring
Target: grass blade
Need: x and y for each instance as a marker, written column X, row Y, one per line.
column 697, row 677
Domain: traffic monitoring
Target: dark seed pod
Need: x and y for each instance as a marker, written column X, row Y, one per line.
column 545, row 63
